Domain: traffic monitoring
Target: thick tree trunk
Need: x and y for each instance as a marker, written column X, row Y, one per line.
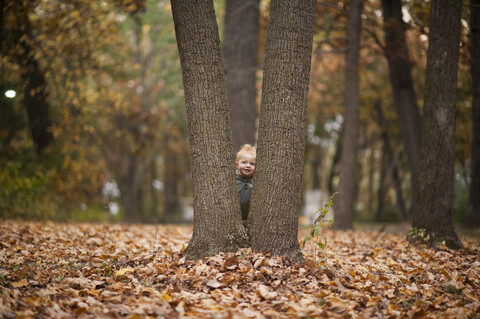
column 346, row 200
column 276, row 198
column 472, row 219
column 432, row 211
column 240, row 54
column 35, row 102
column 35, row 91
column 217, row 225
column 405, row 99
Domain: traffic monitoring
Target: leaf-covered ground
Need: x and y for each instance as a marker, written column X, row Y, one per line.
column 83, row 270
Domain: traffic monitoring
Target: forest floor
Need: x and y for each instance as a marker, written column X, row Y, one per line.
column 137, row 271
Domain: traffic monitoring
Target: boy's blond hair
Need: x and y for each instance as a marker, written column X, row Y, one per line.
column 246, row 148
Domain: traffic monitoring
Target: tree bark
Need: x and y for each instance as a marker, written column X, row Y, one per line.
column 217, row 225
column 171, row 201
column 382, row 187
column 393, row 170
column 135, row 178
column 334, row 168
column 397, row 184
column 371, row 174
column 472, row 218
column 346, row 200
column 240, row 55
column 35, row 92
column 276, row 198
column 155, row 212
column 132, row 190
column 316, row 163
column 35, row 101
column 405, row 99
column 432, row 211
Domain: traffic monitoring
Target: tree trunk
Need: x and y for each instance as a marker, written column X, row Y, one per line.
column 171, row 201
column 155, row 212
column 472, row 219
column 371, row 180
column 382, row 187
column 335, row 161
column 134, row 204
column 240, row 54
column 35, row 93
column 405, row 99
column 276, row 198
column 432, row 211
column 397, row 184
column 217, row 224
column 35, row 88
column 382, row 121
column 132, row 190
column 316, row 162
column 346, row 200
column 35, row 102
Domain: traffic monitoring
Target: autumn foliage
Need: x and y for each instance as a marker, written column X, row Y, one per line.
column 85, row 270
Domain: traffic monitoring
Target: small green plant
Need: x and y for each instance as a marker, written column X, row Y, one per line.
column 317, row 226
column 419, row 235
column 243, row 254
column 107, row 270
column 451, row 289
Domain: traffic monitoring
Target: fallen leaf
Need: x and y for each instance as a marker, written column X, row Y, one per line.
column 265, row 293
column 167, row 297
column 360, row 275
column 19, row 284
column 213, row 283
column 391, row 262
column 124, row 271
column 361, row 268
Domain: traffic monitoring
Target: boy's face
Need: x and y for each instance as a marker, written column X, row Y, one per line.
column 246, row 164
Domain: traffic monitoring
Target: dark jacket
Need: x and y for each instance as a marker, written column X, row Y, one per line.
column 245, row 186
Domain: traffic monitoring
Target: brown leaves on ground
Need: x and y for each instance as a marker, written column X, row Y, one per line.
column 82, row 270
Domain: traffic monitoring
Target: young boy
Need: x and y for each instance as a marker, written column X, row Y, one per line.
column 245, row 168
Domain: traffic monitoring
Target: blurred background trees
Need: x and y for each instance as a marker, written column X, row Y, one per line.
column 92, row 119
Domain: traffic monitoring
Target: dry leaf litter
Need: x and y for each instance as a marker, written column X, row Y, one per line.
column 50, row 270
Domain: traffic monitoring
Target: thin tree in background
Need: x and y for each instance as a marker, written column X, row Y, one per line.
column 276, row 198
column 346, row 200
column 388, row 153
column 132, row 189
column 472, row 219
column 432, row 211
column 240, row 55
column 400, row 69
column 217, row 224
